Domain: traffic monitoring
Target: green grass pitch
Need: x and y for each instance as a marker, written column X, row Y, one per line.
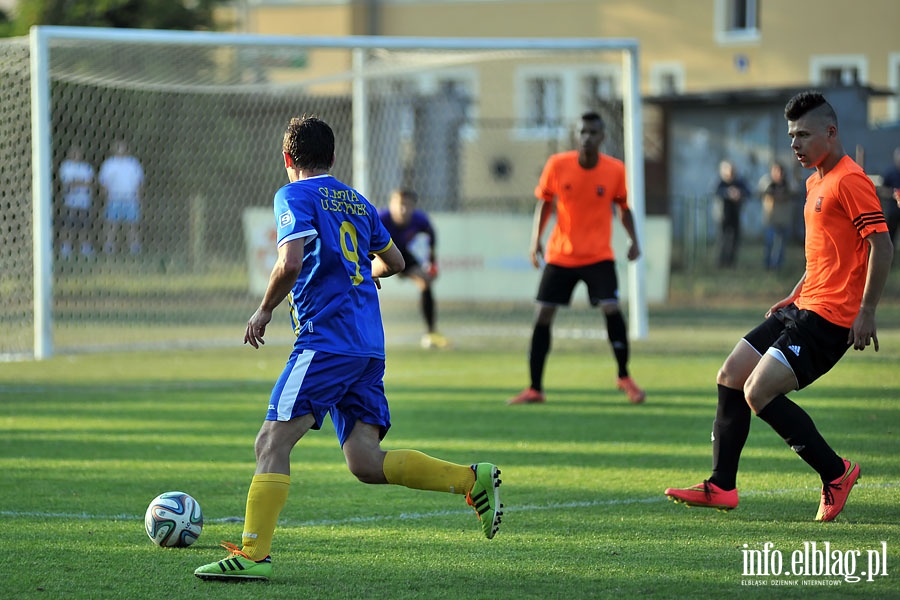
column 86, row 441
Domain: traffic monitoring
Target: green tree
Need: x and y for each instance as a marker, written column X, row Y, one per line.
column 135, row 14
column 6, row 24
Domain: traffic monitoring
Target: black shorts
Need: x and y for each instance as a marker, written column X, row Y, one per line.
column 557, row 283
column 411, row 262
column 810, row 344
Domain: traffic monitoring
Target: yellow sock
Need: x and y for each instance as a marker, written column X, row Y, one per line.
column 413, row 469
column 267, row 496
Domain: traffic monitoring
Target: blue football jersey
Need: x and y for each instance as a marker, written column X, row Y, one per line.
column 334, row 303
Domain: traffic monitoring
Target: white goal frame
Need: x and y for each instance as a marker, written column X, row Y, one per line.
column 42, row 36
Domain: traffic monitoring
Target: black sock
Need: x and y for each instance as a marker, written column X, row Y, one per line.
column 540, row 347
column 730, row 430
column 797, row 429
column 618, row 339
column 428, row 309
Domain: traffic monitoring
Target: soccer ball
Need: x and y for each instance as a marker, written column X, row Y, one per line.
column 173, row 520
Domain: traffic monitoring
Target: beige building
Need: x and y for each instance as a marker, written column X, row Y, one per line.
column 687, row 46
column 696, row 56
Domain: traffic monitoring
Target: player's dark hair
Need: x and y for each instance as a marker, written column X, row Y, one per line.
column 408, row 193
column 806, row 102
column 309, row 141
column 594, row 117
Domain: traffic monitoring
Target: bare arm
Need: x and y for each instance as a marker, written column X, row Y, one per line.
column 790, row 298
column 634, row 249
column 387, row 263
column 542, row 214
column 881, row 254
column 281, row 280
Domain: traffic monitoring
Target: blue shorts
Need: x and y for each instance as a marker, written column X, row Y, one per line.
column 349, row 388
column 123, row 211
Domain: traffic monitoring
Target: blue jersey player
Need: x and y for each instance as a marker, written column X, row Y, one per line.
column 406, row 223
column 332, row 250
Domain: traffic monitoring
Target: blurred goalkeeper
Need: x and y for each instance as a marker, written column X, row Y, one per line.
column 332, row 250
column 407, row 224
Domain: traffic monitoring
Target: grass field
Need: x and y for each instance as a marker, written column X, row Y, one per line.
column 86, row 441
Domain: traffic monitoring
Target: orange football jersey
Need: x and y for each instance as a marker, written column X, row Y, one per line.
column 584, row 207
column 841, row 210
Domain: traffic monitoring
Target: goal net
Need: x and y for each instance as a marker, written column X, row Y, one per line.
column 467, row 123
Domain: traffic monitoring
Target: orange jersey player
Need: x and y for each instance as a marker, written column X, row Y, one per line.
column 583, row 187
column 842, row 210
column 584, row 207
column 832, row 307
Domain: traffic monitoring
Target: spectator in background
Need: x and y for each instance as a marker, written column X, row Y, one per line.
column 732, row 192
column 405, row 223
column 122, row 179
column 891, row 186
column 76, row 176
column 778, row 206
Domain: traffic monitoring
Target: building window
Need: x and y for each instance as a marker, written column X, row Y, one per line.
column 543, row 102
column 741, row 15
column 461, row 84
column 737, row 21
column 667, row 79
column 837, row 71
column 599, row 88
column 837, row 76
column 549, row 101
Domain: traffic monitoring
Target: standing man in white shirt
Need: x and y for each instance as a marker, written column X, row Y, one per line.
column 122, row 179
column 76, row 176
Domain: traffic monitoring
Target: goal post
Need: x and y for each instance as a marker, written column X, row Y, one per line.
column 466, row 121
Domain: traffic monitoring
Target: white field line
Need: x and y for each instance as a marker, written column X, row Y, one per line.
column 13, row 514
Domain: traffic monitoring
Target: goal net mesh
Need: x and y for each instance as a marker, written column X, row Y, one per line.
column 468, row 130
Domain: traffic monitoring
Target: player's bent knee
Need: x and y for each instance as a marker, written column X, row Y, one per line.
column 367, row 470
column 610, row 308
column 725, row 378
column 756, row 396
column 368, row 475
column 756, row 402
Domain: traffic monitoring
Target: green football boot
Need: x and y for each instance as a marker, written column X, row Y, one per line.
column 485, row 497
column 237, row 566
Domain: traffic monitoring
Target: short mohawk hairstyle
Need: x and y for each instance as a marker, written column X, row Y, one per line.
column 805, row 102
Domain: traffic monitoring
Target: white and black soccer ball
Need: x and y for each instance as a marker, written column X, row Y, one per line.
column 173, row 520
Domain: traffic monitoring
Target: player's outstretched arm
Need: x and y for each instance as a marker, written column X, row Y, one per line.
column 283, row 277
